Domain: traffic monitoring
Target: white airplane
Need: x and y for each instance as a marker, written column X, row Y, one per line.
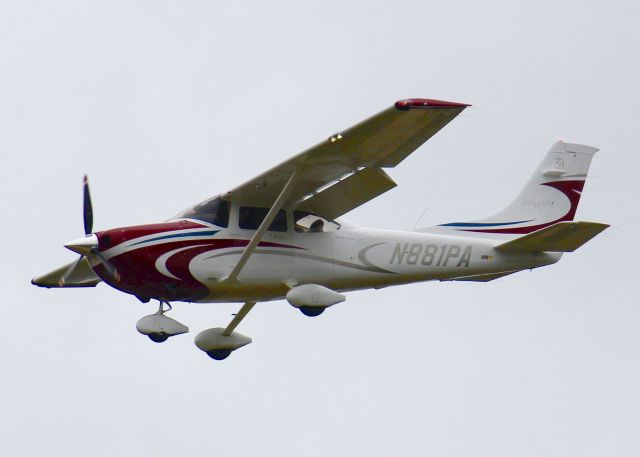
column 279, row 236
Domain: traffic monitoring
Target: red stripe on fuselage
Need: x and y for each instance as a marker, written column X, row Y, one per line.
column 139, row 275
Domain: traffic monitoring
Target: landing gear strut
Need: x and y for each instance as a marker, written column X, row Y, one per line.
column 160, row 337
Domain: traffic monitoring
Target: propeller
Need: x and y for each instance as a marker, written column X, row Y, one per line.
column 88, row 245
column 87, row 207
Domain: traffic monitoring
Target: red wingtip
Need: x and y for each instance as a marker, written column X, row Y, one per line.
column 425, row 103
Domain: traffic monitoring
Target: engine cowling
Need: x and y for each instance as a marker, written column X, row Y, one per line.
column 312, row 299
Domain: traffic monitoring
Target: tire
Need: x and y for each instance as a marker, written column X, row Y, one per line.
column 312, row 311
column 158, row 337
column 219, row 354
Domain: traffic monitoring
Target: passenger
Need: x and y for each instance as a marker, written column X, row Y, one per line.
column 317, row 226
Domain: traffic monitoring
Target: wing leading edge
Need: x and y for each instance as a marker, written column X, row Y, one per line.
column 349, row 164
column 74, row 274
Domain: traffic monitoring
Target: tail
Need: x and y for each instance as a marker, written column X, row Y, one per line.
column 550, row 196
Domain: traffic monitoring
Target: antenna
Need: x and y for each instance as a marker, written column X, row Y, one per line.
column 419, row 218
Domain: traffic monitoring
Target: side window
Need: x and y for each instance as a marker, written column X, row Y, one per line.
column 214, row 211
column 250, row 218
column 306, row 222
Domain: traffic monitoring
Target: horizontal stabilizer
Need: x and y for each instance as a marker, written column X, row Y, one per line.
column 560, row 237
column 75, row 274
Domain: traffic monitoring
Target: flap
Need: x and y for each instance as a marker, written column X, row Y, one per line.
column 349, row 193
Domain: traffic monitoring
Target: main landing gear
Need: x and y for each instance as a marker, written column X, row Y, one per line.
column 218, row 343
column 159, row 327
column 313, row 299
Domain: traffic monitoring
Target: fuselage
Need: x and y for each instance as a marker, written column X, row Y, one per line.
column 188, row 260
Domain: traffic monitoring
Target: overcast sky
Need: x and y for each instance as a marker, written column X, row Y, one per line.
column 167, row 103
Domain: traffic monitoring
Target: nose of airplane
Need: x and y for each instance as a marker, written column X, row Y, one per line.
column 84, row 245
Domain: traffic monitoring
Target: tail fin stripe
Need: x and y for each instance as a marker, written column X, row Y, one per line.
column 551, row 195
column 571, row 189
column 478, row 224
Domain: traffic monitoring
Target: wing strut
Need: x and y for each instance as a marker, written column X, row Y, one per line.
column 248, row 250
column 238, row 317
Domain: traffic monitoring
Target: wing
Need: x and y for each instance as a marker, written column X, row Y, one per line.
column 345, row 171
column 75, row 274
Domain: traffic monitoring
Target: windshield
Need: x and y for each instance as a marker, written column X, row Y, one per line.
column 214, row 211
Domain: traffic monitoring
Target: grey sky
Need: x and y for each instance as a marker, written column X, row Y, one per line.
column 167, row 103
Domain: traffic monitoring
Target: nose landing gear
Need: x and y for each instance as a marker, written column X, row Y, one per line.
column 159, row 327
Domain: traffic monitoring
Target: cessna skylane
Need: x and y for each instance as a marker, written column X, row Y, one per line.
column 280, row 235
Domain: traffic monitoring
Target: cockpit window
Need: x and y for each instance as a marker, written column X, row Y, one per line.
column 306, row 222
column 215, row 211
column 251, row 217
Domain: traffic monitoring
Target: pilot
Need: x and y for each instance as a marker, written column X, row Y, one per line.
column 317, row 226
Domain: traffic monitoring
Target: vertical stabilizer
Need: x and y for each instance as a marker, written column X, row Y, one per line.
column 550, row 196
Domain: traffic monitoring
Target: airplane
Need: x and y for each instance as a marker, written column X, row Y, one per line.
column 281, row 234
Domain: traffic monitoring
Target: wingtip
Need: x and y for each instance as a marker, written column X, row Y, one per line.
column 36, row 282
column 426, row 103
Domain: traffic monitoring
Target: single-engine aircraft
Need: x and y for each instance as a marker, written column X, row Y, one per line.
column 280, row 235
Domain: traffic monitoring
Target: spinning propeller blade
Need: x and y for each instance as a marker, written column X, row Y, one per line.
column 111, row 269
column 88, row 245
column 63, row 279
column 87, row 208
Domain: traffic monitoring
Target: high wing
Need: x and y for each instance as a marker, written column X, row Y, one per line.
column 74, row 274
column 345, row 171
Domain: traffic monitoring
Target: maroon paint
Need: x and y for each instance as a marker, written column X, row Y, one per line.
column 422, row 103
column 139, row 276
column 567, row 188
column 110, row 238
